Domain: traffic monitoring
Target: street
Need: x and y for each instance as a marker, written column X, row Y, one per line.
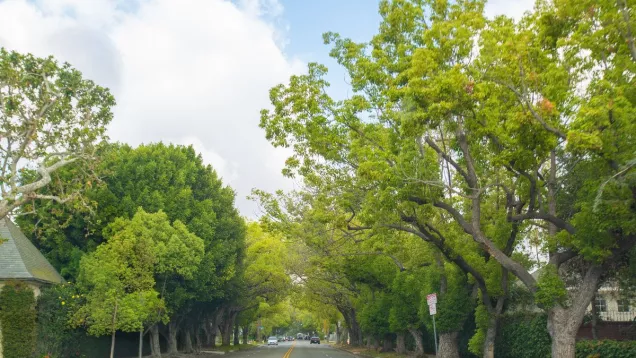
column 296, row 349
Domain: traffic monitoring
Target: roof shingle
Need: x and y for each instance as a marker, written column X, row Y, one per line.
column 20, row 259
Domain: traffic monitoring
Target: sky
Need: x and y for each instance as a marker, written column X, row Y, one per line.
column 197, row 72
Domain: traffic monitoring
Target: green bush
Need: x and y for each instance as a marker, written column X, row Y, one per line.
column 523, row 335
column 605, row 348
column 17, row 319
column 55, row 337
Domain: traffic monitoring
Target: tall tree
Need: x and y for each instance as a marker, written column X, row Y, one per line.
column 50, row 118
column 456, row 120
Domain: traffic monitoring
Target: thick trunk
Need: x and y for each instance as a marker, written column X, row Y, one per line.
column 564, row 324
column 246, row 331
column 197, row 340
column 419, row 344
column 155, row 347
column 387, row 343
column 448, row 347
column 226, row 328
column 236, row 333
column 172, row 337
column 187, row 341
column 594, row 318
column 355, row 333
column 563, row 333
column 401, row 343
column 338, row 332
column 370, row 340
column 489, row 341
column 344, row 335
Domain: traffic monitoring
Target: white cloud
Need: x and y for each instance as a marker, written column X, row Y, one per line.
column 190, row 71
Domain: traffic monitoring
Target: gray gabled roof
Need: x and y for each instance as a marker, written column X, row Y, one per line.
column 20, row 260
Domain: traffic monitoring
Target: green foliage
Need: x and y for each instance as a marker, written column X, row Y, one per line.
column 605, row 348
column 17, row 319
column 550, row 288
column 55, row 337
column 523, row 335
column 119, row 277
column 476, row 342
column 51, row 116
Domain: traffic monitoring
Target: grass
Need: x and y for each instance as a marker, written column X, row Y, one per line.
column 240, row 347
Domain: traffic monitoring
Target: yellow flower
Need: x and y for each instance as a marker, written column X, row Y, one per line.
column 63, row 303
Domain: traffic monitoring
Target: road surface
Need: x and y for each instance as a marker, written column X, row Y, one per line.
column 295, row 349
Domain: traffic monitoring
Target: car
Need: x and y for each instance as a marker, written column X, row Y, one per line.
column 281, row 339
column 272, row 341
column 314, row 339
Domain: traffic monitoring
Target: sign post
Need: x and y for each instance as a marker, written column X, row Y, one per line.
column 432, row 308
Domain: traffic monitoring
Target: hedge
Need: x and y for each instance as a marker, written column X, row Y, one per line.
column 605, row 348
column 525, row 335
column 17, row 319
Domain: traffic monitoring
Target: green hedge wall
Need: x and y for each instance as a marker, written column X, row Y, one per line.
column 17, row 318
column 606, row 348
column 525, row 335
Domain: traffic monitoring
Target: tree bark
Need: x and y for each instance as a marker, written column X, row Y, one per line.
column 155, row 347
column 448, row 346
column 401, row 343
column 491, row 334
column 564, row 324
column 355, row 333
column 112, row 339
column 141, row 341
column 187, row 341
column 594, row 318
column 226, row 328
column 236, row 332
column 419, row 344
column 246, row 331
column 387, row 343
column 173, row 329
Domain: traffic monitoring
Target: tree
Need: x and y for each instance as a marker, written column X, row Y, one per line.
column 119, row 277
column 50, row 118
column 457, row 120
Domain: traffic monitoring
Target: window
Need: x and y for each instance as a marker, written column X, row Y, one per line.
column 623, row 305
column 601, row 304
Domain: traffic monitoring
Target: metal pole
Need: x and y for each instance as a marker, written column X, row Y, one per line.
column 434, row 335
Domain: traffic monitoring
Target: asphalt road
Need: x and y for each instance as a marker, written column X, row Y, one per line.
column 295, row 349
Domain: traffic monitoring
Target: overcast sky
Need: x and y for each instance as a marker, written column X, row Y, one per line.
column 197, row 71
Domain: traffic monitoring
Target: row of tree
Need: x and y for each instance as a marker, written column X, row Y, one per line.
column 149, row 235
column 466, row 139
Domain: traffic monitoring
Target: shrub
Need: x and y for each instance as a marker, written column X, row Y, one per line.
column 17, row 319
column 55, row 337
column 523, row 335
column 605, row 348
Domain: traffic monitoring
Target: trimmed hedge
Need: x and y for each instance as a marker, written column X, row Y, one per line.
column 525, row 335
column 17, row 318
column 605, row 348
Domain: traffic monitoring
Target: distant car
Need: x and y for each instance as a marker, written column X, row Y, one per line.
column 281, row 339
column 314, row 340
column 272, row 341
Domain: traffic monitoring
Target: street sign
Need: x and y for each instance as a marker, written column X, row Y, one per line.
column 432, row 308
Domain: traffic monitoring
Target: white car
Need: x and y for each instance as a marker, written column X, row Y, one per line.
column 272, row 340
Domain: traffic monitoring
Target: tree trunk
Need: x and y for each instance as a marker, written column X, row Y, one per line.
column 344, row 335
column 172, row 338
column 236, row 332
column 141, row 341
column 246, row 331
column 197, row 339
column 187, row 341
column 594, row 318
column 338, row 332
column 448, row 347
column 491, row 334
column 387, row 343
column 226, row 332
column 112, row 339
column 401, row 343
column 355, row 333
column 419, row 344
column 564, row 324
column 370, row 340
column 155, row 347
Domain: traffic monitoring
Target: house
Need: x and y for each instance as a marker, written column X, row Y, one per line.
column 21, row 261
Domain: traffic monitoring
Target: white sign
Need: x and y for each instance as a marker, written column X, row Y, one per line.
column 432, row 301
